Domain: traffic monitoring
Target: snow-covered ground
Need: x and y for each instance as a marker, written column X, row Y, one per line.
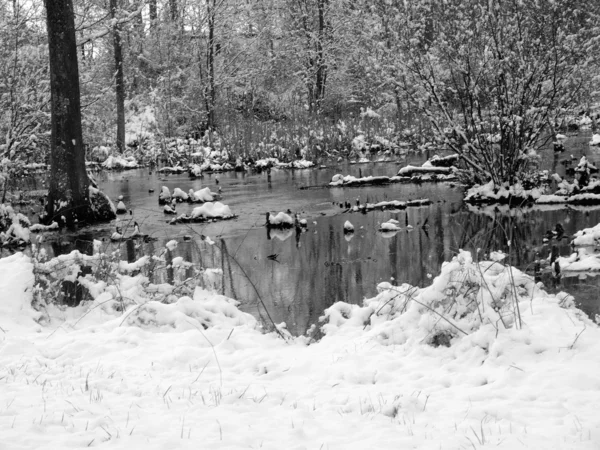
column 198, row 373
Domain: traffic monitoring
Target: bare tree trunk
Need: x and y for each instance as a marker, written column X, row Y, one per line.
column 68, row 186
column 210, row 62
column 119, row 78
column 174, row 10
column 153, row 11
column 321, row 75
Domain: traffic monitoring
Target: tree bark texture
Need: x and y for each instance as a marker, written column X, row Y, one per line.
column 68, row 185
column 119, row 78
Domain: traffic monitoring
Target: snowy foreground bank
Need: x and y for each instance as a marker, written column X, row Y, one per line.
column 198, row 373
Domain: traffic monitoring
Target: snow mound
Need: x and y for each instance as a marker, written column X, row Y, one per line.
column 158, row 375
column 16, row 288
column 205, row 310
column 464, row 298
column 587, row 237
column 211, row 210
column 580, row 261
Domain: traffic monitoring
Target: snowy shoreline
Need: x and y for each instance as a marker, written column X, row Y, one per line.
column 200, row 372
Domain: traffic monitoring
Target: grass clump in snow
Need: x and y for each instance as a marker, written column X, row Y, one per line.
column 466, row 296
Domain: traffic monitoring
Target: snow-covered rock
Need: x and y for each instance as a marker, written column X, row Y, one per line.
column 164, row 196
column 390, row 225
column 121, row 208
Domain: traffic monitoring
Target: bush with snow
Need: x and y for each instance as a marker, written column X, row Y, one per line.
column 115, row 283
column 503, row 193
column 14, row 227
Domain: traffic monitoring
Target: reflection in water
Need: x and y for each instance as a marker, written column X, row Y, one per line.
column 324, row 269
column 315, row 268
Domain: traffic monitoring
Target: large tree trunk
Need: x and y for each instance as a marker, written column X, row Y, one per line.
column 119, row 78
column 68, row 189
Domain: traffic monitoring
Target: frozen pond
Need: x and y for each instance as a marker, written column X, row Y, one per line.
column 295, row 276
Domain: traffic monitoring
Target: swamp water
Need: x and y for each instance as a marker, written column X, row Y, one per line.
column 295, row 276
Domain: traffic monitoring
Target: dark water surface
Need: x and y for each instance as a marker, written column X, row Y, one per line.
column 314, row 269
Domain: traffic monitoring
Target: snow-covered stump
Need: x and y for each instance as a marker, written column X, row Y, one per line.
column 279, row 220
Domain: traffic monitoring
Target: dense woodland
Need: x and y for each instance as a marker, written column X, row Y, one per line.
column 491, row 80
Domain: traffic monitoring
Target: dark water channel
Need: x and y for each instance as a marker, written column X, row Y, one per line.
column 314, row 269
